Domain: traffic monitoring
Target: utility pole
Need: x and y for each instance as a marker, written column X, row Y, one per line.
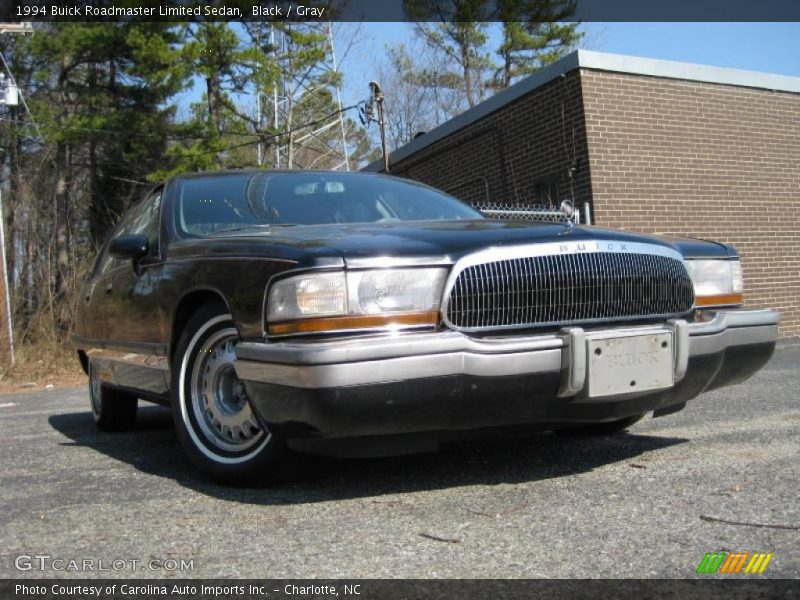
column 259, row 117
column 9, row 328
column 275, row 117
column 377, row 98
column 9, row 96
column 339, row 99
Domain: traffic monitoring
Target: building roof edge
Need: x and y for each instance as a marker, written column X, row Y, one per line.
column 600, row 61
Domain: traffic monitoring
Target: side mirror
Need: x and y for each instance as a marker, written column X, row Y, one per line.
column 129, row 246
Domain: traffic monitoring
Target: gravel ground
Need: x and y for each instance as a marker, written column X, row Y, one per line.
column 534, row 506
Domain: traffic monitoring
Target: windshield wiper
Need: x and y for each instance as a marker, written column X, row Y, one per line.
column 243, row 227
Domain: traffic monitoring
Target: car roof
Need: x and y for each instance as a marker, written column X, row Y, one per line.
column 227, row 172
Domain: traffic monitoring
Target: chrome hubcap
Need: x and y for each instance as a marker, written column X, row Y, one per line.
column 219, row 397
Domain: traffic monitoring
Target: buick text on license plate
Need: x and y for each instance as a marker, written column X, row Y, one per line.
column 631, row 363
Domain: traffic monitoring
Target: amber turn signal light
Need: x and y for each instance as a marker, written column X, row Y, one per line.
column 719, row 300
column 347, row 323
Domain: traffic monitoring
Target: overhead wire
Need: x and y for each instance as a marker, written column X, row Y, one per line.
column 260, row 136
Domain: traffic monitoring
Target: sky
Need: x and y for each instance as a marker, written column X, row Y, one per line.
column 767, row 47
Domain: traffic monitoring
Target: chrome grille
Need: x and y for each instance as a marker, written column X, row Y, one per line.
column 534, row 291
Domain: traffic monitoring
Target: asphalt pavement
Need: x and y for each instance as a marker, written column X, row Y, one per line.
column 721, row 475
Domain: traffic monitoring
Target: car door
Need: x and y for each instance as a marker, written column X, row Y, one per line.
column 94, row 327
column 134, row 327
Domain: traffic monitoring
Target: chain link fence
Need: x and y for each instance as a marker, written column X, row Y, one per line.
column 541, row 213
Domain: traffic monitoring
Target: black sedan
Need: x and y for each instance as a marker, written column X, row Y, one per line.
column 351, row 312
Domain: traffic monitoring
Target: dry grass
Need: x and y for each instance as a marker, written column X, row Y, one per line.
column 41, row 364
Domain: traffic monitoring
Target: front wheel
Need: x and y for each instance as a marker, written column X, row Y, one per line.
column 214, row 421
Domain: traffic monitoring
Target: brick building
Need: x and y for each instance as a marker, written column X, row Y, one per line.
column 646, row 145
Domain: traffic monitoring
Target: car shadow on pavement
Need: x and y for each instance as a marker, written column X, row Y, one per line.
column 153, row 448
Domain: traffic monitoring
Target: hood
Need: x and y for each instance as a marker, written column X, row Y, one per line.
column 428, row 241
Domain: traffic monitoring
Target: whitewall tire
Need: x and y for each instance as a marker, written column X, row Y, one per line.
column 215, row 423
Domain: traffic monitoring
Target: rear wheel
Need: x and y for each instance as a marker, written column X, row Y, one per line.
column 215, row 423
column 112, row 409
column 597, row 429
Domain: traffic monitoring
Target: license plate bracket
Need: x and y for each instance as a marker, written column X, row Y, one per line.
column 622, row 364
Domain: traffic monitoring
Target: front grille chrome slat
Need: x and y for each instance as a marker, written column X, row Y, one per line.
column 573, row 288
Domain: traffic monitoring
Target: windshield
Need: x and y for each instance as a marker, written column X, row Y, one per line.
column 206, row 205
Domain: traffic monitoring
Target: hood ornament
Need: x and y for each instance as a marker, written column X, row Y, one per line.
column 567, row 209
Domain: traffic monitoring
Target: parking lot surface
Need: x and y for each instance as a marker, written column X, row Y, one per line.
column 721, row 475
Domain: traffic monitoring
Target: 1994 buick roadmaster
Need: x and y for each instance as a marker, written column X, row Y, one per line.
column 278, row 309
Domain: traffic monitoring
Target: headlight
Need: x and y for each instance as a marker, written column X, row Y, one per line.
column 382, row 299
column 716, row 282
column 313, row 295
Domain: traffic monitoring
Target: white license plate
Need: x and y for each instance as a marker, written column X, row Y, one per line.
column 631, row 363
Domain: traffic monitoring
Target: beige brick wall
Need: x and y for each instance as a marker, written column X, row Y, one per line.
column 508, row 152
column 704, row 160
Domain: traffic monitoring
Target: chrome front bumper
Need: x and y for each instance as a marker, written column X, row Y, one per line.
column 447, row 381
column 375, row 360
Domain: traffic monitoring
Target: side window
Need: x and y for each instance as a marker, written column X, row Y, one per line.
column 142, row 219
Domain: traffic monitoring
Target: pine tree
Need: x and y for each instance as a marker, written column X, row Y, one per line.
column 99, row 94
column 535, row 34
column 460, row 32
